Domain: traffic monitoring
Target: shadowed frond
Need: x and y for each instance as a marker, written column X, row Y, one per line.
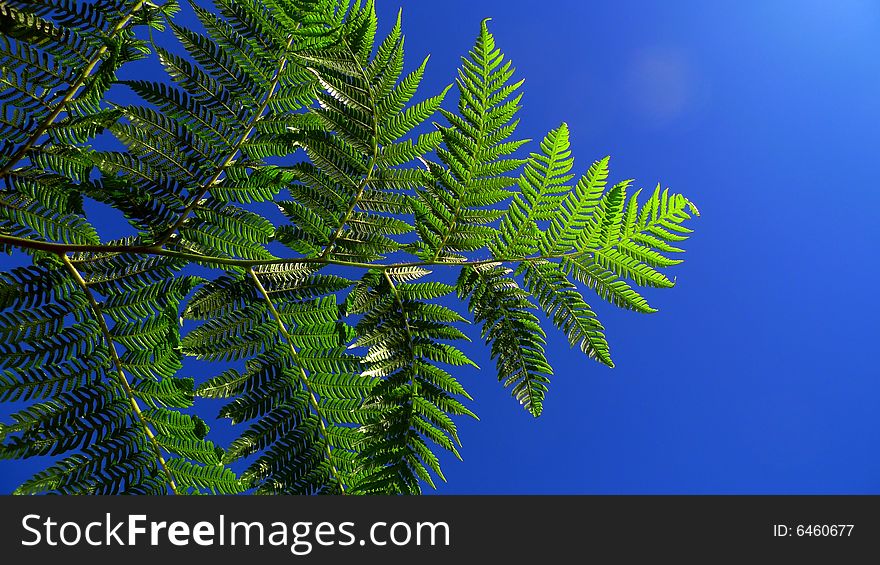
column 412, row 404
column 512, row 329
column 296, row 376
column 58, row 58
column 361, row 149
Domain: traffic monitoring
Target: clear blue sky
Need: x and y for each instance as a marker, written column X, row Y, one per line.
column 758, row 373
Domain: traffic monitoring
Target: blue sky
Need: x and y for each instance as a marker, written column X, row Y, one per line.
column 757, row 375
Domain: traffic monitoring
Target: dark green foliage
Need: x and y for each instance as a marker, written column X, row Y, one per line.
column 411, row 403
column 86, row 407
column 342, row 381
column 512, row 329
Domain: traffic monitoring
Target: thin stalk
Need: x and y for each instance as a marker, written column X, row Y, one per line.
column 276, row 80
column 120, row 374
column 60, row 248
column 69, row 95
column 313, row 401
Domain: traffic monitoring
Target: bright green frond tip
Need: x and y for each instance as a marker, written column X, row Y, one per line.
column 323, row 196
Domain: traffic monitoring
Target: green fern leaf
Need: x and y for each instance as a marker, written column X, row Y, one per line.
column 509, row 325
column 542, row 189
column 450, row 214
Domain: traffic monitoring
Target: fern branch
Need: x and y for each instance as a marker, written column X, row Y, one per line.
column 374, row 158
column 52, row 247
column 71, row 92
column 459, row 204
column 323, row 419
column 117, row 362
column 406, row 327
column 474, row 151
column 261, row 109
column 313, row 401
column 399, row 302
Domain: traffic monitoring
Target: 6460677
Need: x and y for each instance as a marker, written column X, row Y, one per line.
column 813, row 530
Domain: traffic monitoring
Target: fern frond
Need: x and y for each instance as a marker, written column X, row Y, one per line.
column 278, row 389
column 282, row 124
column 563, row 304
column 229, row 231
column 364, row 102
column 605, row 283
column 450, row 212
column 29, row 218
column 631, row 242
column 168, row 392
column 215, row 479
column 511, row 328
column 120, row 461
column 412, row 399
column 59, row 58
column 542, row 190
column 576, row 210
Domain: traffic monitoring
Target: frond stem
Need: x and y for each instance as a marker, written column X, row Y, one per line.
column 69, row 95
column 276, row 80
column 60, row 248
column 313, row 401
column 117, row 362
